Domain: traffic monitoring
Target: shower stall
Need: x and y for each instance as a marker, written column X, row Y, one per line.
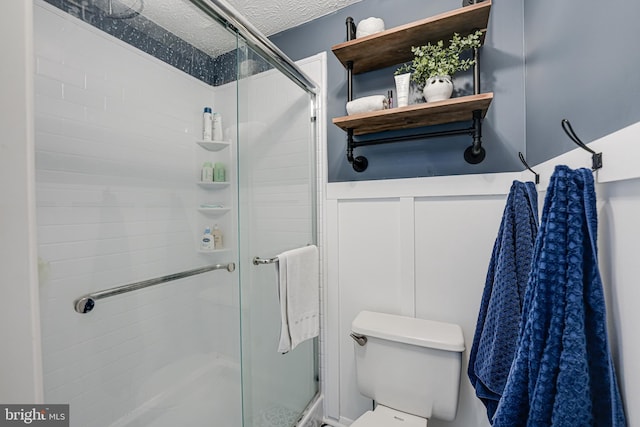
column 140, row 325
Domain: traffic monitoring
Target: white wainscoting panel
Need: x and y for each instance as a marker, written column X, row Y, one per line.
column 394, row 255
column 454, row 240
column 370, row 266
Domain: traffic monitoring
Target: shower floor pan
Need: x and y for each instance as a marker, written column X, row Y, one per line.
column 209, row 395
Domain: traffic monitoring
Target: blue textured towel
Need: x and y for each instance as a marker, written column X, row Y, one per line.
column 562, row 374
column 496, row 335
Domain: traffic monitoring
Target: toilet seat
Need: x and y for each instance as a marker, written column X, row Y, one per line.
column 387, row 417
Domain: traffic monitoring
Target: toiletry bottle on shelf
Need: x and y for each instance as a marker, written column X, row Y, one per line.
column 207, row 241
column 207, row 124
column 206, row 174
column 217, row 127
column 217, row 237
column 402, row 89
column 219, row 174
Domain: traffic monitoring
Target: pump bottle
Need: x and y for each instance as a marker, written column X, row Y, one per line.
column 207, row 242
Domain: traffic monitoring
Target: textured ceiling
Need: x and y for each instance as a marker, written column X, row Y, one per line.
column 268, row 16
column 273, row 16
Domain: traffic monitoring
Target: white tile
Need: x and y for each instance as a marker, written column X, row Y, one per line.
column 45, row 86
column 60, row 72
column 58, row 108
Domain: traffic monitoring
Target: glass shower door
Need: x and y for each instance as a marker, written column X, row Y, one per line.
column 119, row 204
column 277, row 212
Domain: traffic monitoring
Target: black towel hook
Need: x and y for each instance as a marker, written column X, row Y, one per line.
column 524, row 162
column 596, row 158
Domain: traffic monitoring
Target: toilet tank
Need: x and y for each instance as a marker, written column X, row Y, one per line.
column 409, row 364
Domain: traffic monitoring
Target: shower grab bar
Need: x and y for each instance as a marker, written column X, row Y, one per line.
column 259, row 261
column 85, row 303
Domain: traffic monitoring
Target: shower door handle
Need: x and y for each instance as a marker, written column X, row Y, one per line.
column 259, row 261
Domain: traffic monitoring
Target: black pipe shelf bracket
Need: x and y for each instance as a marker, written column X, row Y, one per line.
column 474, row 154
column 596, row 158
column 358, row 163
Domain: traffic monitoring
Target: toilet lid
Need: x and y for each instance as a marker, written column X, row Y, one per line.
column 386, row 417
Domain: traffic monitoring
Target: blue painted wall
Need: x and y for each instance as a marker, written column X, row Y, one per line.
column 502, row 59
column 581, row 62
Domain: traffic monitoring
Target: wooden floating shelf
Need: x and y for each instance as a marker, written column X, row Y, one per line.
column 418, row 115
column 212, row 251
column 393, row 46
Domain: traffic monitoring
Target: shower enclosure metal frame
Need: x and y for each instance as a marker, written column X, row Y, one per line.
column 224, row 13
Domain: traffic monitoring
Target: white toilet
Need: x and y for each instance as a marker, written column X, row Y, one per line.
column 409, row 366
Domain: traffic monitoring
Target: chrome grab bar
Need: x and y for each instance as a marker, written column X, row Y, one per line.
column 258, row 261
column 85, row 303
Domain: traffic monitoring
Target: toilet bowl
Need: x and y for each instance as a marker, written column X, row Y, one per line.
column 409, row 366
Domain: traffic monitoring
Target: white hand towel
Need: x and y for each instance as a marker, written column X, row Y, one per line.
column 366, row 104
column 299, row 288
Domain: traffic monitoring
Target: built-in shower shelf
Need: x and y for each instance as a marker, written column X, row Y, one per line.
column 214, row 211
column 213, row 251
column 213, row 185
column 213, row 145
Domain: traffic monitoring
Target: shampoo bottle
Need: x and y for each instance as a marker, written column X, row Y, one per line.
column 207, row 124
column 219, row 174
column 207, row 242
column 217, row 237
column 206, row 174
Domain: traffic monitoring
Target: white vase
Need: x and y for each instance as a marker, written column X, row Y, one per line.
column 438, row 88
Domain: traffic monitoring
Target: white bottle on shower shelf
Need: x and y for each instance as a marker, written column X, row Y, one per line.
column 206, row 243
column 207, row 124
column 217, row 237
column 206, row 175
column 217, row 127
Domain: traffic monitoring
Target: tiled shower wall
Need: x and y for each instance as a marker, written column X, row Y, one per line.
column 116, row 203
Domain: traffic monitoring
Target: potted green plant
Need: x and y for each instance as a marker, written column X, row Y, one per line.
column 434, row 64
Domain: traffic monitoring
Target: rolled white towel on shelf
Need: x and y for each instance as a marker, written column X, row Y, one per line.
column 366, row 104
